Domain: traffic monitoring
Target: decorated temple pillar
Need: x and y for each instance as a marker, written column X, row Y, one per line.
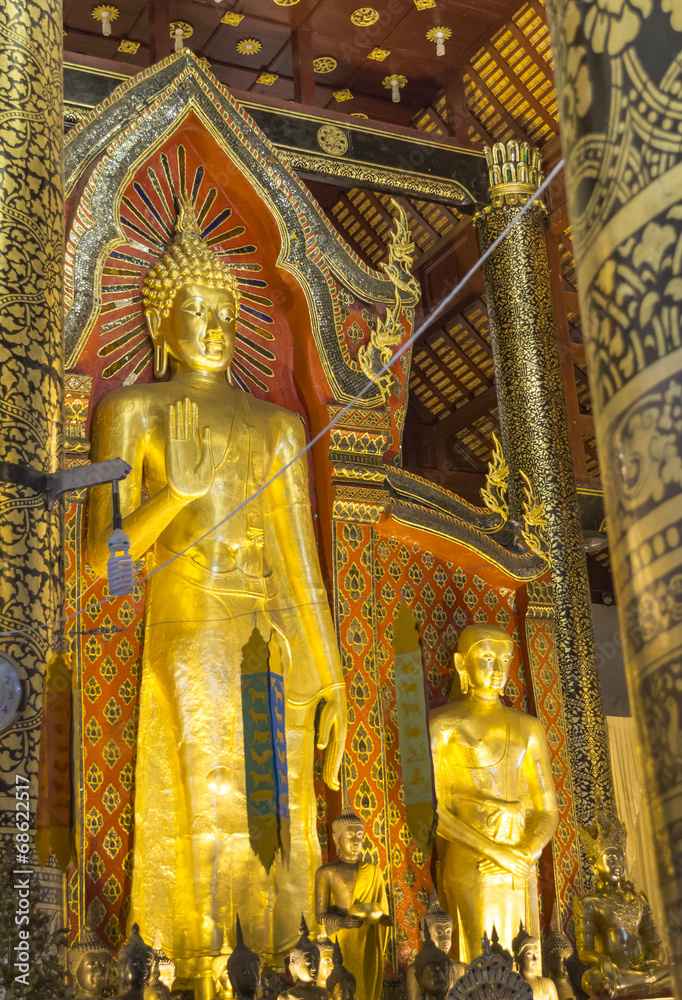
column 535, row 439
column 31, row 264
column 618, row 80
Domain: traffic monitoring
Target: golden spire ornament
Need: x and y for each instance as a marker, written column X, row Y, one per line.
column 395, row 82
column 439, row 34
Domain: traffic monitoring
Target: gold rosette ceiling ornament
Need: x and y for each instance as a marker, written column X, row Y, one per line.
column 363, row 17
column 248, row 46
column 180, row 30
column 439, row 34
column 324, row 64
column 395, row 82
column 105, row 13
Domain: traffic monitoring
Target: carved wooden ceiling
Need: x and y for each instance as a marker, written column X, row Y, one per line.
column 494, row 83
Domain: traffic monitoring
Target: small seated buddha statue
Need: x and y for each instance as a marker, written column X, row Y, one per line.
column 439, row 925
column 351, row 903
column 340, row 982
column 243, row 969
column 304, row 965
column 89, row 962
column 615, row 933
column 556, row 951
column 135, row 964
column 526, row 951
column 432, row 970
column 325, row 946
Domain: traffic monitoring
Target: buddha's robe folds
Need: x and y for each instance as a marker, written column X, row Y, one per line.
column 363, row 947
column 194, row 868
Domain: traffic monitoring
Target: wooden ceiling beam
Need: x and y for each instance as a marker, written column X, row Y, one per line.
column 356, row 214
column 434, row 359
column 418, row 218
column 531, row 51
column 304, row 75
column 431, row 353
column 380, row 208
column 473, row 332
column 463, row 416
column 488, row 95
column 521, row 88
column 159, row 36
column 474, row 460
column 430, row 419
column 450, row 341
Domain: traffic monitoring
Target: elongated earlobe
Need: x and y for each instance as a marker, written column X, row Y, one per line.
column 160, row 359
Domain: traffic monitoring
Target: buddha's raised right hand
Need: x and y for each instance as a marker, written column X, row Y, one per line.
column 189, row 457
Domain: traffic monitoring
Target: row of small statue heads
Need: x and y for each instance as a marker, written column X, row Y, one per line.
column 144, row 973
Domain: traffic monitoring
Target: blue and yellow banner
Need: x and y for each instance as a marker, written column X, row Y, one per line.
column 265, row 749
column 413, row 729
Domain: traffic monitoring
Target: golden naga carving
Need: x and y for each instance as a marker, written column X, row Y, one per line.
column 494, row 493
column 388, row 333
column 351, row 903
column 534, row 530
column 202, row 448
column 614, row 928
column 496, row 800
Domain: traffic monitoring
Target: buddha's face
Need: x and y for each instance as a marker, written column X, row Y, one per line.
column 529, row 960
column 611, row 865
column 92, row 972
column 137, row 969
column 487, row 666
column 349, row 842
column 167, row 973
column 246, row 978
column 441, row 935
column 434, row 978
column 326, row 966
column 306, row 966
column 199, row 331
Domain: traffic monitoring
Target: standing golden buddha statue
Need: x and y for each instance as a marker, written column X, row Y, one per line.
column 202, row 448
column 352, row 905
column 496, row 800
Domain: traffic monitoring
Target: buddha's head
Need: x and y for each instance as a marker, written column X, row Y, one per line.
column 483, row 658
column 89, row 964
column 304, row 958
column 326, row 950
column 340, row 982
column 604, row 844
column 135, row 961
column 439, row 924
column 556, row 949
column 243, row 969
column 432, row 970
column 348, row 831
column 191, row 300
column 526, row 950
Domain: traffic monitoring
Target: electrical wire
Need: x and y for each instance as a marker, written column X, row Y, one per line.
column 426, row 322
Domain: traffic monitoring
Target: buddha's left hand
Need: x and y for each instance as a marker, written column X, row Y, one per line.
column 333, row 735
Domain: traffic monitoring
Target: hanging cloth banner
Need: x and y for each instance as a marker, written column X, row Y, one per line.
column 53, row 814
column 413, row 730
column 265, row 763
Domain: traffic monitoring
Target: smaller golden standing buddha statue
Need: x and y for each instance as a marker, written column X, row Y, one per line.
column 614, row 928
column 340, row 982
column 439, row 925
column 89, row 963
column 351, row 903
column 243, row 969
column 304, row 965
column 556, row 950
column 526, row 951
column 135, row 964
column 496, row 800
column 325, row 946
column 432, row 970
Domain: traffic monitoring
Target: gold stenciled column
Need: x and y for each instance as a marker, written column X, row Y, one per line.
column 31, row 364
column 619, row 83
column 535, row 438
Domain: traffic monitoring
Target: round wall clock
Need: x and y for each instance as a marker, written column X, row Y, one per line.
column 11, row 692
